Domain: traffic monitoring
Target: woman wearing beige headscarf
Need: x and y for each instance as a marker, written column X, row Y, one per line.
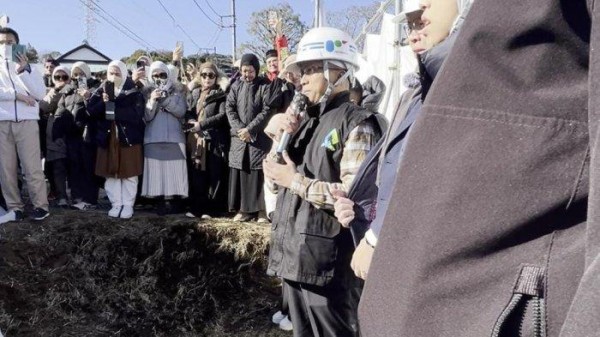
column 208, row 143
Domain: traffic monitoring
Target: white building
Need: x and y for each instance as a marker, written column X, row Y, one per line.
column 95, row 59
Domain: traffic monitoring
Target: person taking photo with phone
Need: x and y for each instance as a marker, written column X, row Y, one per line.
column 55, row 142
column 165, row 170
column 118, row 109
column 21, row 87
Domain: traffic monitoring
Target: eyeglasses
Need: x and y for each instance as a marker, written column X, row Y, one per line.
column 162, row 76
column 311, row 70
column 61, row 77
column 115, row 74
column 212, row 76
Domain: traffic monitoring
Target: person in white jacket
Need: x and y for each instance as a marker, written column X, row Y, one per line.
column 20, row 89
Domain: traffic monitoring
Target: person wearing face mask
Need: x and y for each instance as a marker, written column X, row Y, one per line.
column 309, row 249
column 165, row 171
column 208, row 143
column 366, row 204
column 73, row 124
column 21, row 87
column 247, row 108
column 118, row 108
column 56, row 146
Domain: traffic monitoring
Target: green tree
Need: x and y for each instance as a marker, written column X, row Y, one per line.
column 156, row 55
column 264, row 35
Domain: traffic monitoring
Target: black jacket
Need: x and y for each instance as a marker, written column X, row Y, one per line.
column 71, row 117
column 308, row 244
column 129, row 114
column 215, row 125
column 247, row 107
column 485, row 236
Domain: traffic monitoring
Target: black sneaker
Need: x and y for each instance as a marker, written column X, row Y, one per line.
column 40, row 214
column 19, row 215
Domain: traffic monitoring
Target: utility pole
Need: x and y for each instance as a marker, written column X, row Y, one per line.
column 318, row 14
column 234, row 46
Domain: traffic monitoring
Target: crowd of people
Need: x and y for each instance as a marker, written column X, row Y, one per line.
column 194, row 147
column 465, row 211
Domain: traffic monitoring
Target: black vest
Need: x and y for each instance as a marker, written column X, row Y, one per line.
column 308, row 244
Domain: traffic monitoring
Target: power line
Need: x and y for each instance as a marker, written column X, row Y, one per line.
column 206, row 15
column 216, row 36
column 177, row 25
column 123, row 25
column 115, row 26
column 212, row 9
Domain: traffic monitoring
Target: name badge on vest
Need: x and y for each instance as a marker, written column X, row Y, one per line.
column 331, row 140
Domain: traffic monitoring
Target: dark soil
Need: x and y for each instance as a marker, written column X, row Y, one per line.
column 83, row 274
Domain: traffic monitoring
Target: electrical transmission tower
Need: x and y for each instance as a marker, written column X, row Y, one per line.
column 90, row 22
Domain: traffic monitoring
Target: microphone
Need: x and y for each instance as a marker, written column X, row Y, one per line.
column 299, row 103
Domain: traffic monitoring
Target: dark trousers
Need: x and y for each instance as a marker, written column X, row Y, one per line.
column 82, row 163
column 58, row 176
column 328, row 311
column 208, row 188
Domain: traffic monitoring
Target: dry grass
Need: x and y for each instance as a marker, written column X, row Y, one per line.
column 75, row 275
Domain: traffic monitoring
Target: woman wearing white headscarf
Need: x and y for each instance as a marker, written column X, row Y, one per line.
column 165, row 169
column 118, row 108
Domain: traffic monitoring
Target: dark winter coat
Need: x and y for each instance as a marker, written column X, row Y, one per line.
column 281, row 94
column 215, row 125
column 373, row 92
column 247, row 107
column 308, row 244
column 485, row 236
column 129, row 114
column 71, row 117
column 364, row 189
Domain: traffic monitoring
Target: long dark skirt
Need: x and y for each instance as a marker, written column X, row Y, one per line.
column 208, row 188
column 246, row 188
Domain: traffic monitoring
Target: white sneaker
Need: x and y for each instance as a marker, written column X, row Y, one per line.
column 277, row 317
column 205, row 217
column 115, row 211
column 82, row 205
column 63, row 203
column 286, row 324
column 8, row 217
column 190, row 215
column 127, row 212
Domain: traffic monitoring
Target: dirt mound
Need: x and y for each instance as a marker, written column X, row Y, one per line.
column 86, row 275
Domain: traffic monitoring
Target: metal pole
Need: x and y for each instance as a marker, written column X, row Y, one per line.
column 234, row 47
column 317, row 22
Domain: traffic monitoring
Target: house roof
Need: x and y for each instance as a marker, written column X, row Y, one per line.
column 84, row 53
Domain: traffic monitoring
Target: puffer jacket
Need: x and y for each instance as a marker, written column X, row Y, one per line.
column 26, row 83
column 70, row 116
column 247, row 107
column 164, row 117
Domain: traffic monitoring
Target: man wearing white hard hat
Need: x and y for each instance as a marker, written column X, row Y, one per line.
column 310, row 249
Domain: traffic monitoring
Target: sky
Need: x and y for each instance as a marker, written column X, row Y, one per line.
column 60, row 25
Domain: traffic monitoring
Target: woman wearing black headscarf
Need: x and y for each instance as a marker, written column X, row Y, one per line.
column 247, row 111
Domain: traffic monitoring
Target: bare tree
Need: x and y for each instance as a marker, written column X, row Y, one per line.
column 264, row 35
column 352, row 19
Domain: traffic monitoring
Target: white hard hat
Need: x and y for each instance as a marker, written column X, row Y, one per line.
column 327, row 44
